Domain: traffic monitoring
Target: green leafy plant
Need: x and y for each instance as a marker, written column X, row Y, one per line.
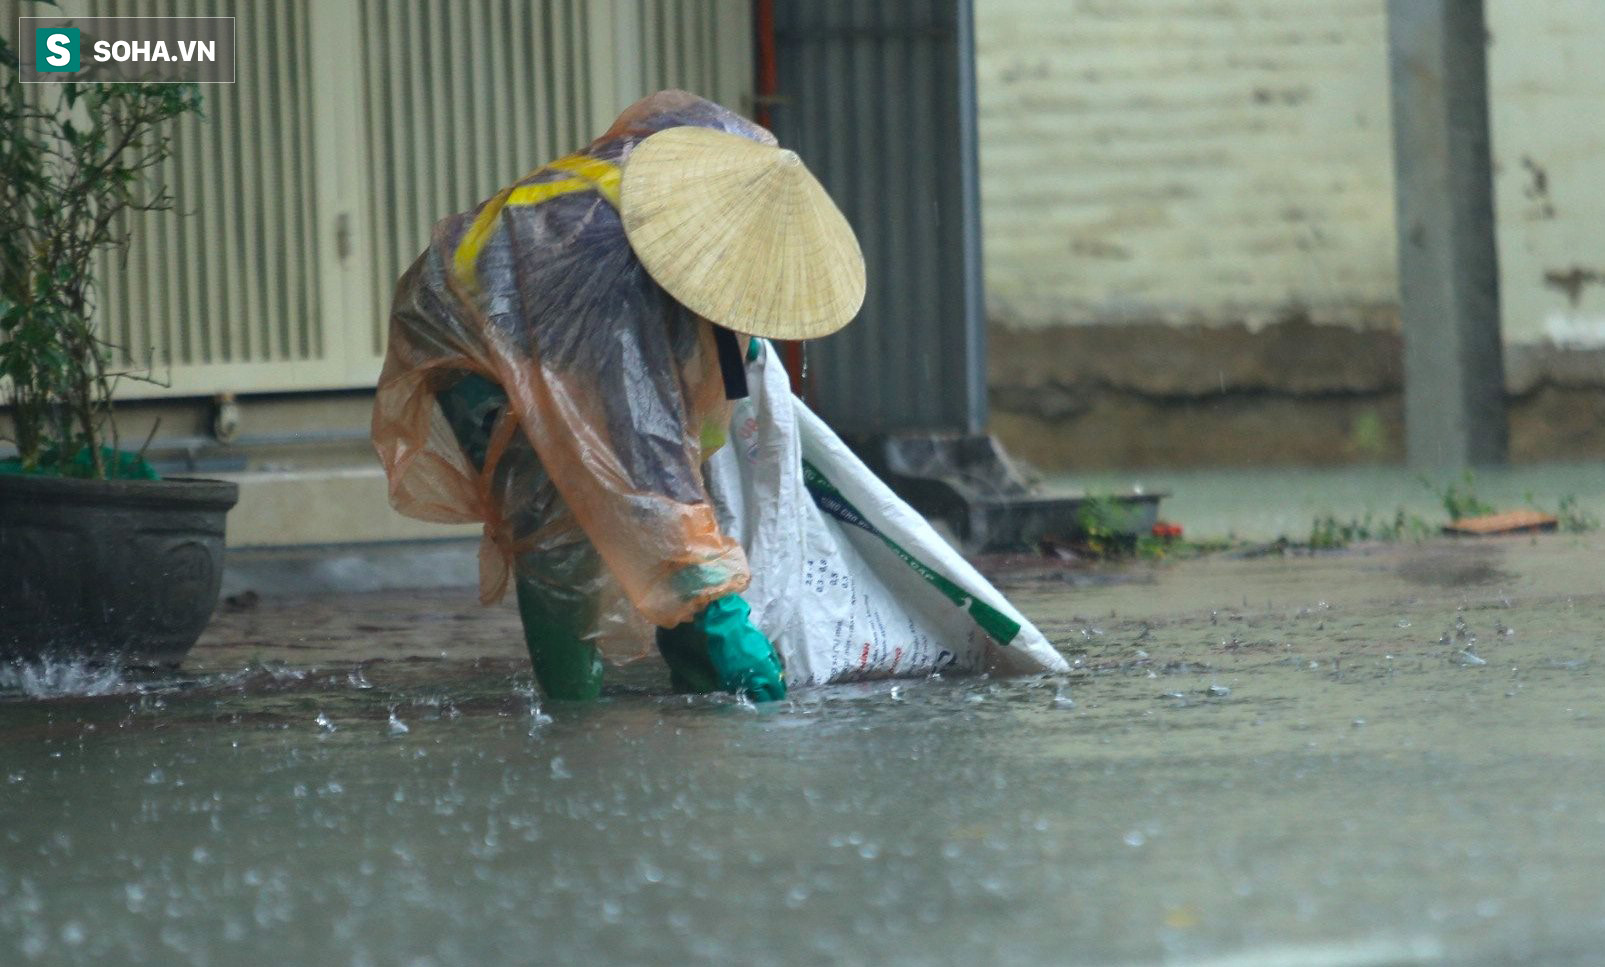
column 76, row 159
column 1105, row 527
column 1108, row 529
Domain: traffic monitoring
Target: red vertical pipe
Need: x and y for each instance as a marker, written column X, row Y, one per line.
column 763, row 20
column 768, row 86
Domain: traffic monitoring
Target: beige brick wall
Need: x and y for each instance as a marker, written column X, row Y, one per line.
column 1184, row 160
column 1221, row 161
column 1548, row 77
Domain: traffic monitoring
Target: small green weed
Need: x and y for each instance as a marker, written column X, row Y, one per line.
column 1460, row 499
column 1107, row 526
column 1573, row 519
column 1151, row 548
column 1330, row 533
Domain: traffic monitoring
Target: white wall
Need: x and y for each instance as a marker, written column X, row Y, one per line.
column 1219, row 161
column 1547, row 71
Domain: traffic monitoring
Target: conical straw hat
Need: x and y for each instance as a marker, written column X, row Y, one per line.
column 741, row 233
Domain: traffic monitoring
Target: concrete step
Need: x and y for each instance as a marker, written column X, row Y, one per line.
column 333, row 505
column 321, row 569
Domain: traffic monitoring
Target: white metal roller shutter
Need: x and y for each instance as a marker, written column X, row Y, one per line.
column 311, row 183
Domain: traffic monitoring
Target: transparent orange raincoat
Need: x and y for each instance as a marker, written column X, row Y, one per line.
column 614, row 395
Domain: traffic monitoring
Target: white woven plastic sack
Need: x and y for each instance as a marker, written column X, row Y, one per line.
column 848, row 581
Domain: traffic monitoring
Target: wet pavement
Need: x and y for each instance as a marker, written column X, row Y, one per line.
column 1264, row 503
column 1391, row 755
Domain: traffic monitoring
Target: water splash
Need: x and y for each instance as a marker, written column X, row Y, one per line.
column 53, row 678
column 538, row 719
column 396, row 725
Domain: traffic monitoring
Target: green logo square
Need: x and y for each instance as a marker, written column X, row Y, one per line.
column 55, row 49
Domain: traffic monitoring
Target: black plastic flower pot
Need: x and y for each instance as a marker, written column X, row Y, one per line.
column 112, row 571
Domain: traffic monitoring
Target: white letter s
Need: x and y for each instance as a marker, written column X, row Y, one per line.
column 59, row 54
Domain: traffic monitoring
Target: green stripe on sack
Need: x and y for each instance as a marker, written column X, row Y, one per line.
column 999, row 626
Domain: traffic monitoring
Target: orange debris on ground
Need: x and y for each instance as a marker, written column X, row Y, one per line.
column 1508, row 522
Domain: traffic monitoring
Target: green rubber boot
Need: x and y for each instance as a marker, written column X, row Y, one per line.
column 555, row 616
column 685, row 650
column 568, row 667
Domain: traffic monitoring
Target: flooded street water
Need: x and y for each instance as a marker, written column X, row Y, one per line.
column 1387, row 756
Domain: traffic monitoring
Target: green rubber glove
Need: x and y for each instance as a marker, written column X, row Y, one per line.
column 740, row 653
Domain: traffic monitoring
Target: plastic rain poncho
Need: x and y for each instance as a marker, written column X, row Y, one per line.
column 612, row 387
